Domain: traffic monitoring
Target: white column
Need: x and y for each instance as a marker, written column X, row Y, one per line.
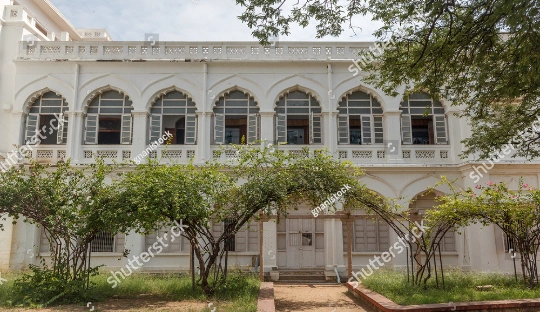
column 204, row 136
column 140, row 133
column 270, row 244
column 17, row 131
column 75, row 136
column 329, row 129
column 480, row 250
column 454, row 128
column 6, row 237
column 267, row 127
column 333, row 244
column 135, row 243
column 392, row 136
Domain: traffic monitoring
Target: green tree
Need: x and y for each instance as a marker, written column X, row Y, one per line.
column 255, row 181
column 481, row 55
column 517, row 213
column 69, row 204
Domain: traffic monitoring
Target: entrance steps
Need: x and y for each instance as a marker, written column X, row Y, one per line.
column 302, row 276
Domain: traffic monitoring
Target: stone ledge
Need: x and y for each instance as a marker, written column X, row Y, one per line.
column 266, row 298
column 383, row 304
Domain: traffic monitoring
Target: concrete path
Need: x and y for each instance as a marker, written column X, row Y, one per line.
column 316, row 297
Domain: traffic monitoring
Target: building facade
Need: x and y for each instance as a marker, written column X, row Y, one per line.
column 118, row 97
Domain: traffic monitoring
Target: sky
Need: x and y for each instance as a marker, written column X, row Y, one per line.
column 184, row 20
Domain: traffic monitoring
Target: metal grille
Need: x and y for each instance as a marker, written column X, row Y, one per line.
column 104, row 242
column 230, row 243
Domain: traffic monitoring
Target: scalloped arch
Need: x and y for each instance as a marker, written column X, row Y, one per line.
column 445, row 103
column 90, row 96
column 154, row 97
column 27, row 93
column 111, row 82
column 171, row 83
column 293, row 83
column 233, row 82
column 384, row 188
column 420, row 185
column 350, row 85
column 234, row 88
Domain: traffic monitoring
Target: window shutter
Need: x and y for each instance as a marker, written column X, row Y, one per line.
column 61, row 135
column 366, row 129
column 449, row 241
column 253, row 125
column 219, row 128
column 343, row 129
column 406, row 129
column 314, row 128
column 311, row 128
column 240, row 239
column 125, row 136
column 91, row 129
column 253, row 236
column 440, row 129
column 281, row 129
column 155, row 127
column 32, row 123
column 382, row 235
column 191, row 129
column 378, row 129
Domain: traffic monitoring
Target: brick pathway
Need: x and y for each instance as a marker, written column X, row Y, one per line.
column 316, row 297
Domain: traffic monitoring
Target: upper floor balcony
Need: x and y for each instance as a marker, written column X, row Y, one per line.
column 191, row 51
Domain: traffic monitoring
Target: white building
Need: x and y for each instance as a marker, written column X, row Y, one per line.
column 119, row 96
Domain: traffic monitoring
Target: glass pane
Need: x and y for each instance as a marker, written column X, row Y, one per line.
column 112, row 103
column 358, row 95
column 174, row 110
column 304, row 110
column 51, row 95
column 112, row 95
column 54, row 102
column 307, row 239
column 111, row 110
column 174, row 95
column 175, row 103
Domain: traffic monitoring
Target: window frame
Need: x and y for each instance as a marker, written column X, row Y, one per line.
column 189, row 114
column 313, row 114
column 375, row 116
column 436, row 112
column 98, row 111
column 221, row 112
column 40, row 110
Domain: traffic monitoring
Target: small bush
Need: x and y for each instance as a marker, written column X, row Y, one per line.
column 44, row 287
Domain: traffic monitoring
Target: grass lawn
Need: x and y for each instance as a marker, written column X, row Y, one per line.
column 459, row 287
column 240, row 293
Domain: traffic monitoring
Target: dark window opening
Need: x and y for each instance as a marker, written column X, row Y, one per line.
column 422, row 130
column 109, row 130
column 355, row 132
column 297, row 130
column 49, row 121
column 103, row 242
column 175, row 126
column 235, row 129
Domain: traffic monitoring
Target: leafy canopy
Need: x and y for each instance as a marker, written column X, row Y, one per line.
column 481, row 54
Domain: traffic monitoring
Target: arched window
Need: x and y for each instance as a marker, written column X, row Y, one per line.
column 418, row 207
column 108, row 119
column 46, row 116
column 298, row 119
column 174, row 112
column 236, row 116
column 423, row 120
column 360, row 119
